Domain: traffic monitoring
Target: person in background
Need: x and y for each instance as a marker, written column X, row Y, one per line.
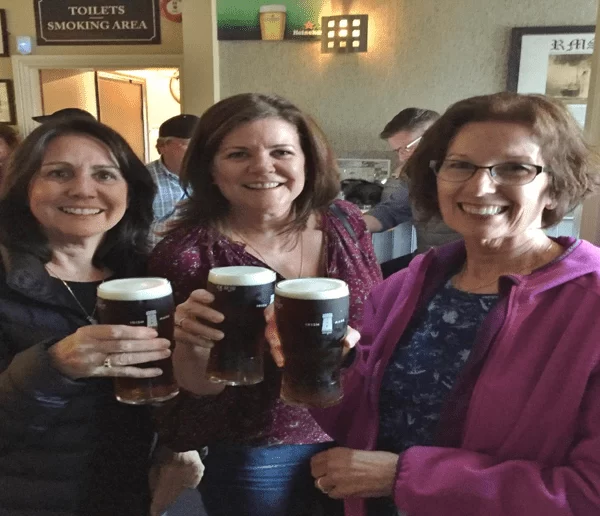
column 263, row 183
column 477, row 377
column 173, row 138
column 9, row 139
column 403, row 134
column 63, row 114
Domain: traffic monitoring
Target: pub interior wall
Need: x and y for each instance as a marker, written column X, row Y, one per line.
column 427, row 53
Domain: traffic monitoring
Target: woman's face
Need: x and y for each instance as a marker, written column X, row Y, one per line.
column 481, row 209
column 259, row 167
column 79, row 192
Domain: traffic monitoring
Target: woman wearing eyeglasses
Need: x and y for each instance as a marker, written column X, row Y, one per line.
column 476, row 385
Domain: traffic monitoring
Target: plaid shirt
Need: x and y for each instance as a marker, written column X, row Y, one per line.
column 169, row 193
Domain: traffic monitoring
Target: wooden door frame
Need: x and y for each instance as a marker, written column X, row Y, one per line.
column 28, row 94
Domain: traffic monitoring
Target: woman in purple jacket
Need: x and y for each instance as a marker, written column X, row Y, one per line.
column 477, row 377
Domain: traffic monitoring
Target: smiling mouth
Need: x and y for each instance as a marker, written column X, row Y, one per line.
column 81, row 211
column 484, row 210
column 262, row 186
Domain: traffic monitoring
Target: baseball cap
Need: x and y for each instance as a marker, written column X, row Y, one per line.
column 62, row 114
column 180, row 126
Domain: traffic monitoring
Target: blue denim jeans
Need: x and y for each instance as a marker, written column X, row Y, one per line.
column 264, row 481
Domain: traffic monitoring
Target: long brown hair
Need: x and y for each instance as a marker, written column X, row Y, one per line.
column 206, row 205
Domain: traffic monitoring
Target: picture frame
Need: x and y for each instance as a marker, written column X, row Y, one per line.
column 555, row 61
column 7, row 102
column 3, row 34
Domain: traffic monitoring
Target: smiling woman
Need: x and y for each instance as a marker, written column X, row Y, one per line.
column 75, row 209
column 263, row 183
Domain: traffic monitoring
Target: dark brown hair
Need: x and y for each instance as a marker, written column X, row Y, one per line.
column 409, row 119
column 125, row 246
column 573, row 167
column 206, row 204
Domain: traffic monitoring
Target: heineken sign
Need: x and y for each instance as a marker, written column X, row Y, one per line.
column 97, row 22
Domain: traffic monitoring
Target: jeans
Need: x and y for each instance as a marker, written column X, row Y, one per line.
column 264, row 481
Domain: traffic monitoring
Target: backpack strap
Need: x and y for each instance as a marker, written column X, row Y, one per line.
column 343, row 218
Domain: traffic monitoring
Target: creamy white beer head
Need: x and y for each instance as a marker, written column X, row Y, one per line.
column 312, row 288
column 134, row 289
column 241, row 276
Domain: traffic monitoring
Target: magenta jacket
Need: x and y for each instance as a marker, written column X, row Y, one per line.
column 520, row 433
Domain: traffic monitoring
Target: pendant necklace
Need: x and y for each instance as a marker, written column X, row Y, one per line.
column 89, row 317
column 263, row 258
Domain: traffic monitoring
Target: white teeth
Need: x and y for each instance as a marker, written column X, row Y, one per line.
column 81, row 211
column 482, row 210
column 262, row 186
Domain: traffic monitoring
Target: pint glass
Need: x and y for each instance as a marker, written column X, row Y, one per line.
column 312, row 317
column 141, row 302
column 241, row 294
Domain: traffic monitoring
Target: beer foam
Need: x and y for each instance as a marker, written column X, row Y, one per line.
column 134, row 289
column 241, row 276
column 273, row 8
column 312, row 288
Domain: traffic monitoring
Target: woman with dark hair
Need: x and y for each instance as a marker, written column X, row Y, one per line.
column 262, row 181
column 75, row 210
column 9, row 139
column 475, row 388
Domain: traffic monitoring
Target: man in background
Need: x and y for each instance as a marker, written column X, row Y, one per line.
column 173, row 139
column 403, row 133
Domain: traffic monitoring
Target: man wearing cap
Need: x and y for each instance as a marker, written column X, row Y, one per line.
column 173, row 138
column 63, row 114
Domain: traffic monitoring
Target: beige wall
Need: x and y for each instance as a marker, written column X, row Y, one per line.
column 428, row 53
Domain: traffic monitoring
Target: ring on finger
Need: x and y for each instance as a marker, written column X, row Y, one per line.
column 106, row 362
column 320, row 487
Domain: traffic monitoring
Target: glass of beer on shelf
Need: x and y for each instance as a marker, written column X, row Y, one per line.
column 312, row 317
column 141, row 302
column 241, row 294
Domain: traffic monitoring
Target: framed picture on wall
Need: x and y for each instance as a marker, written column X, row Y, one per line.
column 556, row 61
column 7, row 102
column 3, row 34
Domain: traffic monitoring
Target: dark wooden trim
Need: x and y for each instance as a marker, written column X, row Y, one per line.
column 516, row 38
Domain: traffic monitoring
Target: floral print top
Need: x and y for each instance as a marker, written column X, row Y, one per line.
column 254, row 415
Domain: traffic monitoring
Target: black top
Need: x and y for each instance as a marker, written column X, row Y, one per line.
column 66, row 447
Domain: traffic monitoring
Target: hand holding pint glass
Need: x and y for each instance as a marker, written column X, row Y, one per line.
column 241, row 294
column 312, row 319
column 141, row 302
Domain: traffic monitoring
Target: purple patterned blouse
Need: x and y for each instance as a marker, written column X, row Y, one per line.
column 254, row 415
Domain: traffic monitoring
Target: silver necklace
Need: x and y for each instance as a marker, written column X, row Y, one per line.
column 263, row 258
column 89, row 317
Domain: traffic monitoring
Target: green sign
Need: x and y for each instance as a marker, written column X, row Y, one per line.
column 259, row 19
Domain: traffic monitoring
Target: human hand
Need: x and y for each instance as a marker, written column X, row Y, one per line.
column 195, row 338
column 272, row 335
column 343, row 472
column 191, row 318
column 109, row 350
column 173, row 473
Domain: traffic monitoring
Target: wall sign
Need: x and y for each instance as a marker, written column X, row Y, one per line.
column 261, row 19
column 171, row 10
column 97, row 22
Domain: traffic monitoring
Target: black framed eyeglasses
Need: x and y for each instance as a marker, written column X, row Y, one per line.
column 509, row 174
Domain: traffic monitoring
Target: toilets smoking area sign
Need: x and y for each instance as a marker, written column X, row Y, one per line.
column 97, row 22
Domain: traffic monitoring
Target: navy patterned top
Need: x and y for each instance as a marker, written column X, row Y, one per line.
column 423, row 369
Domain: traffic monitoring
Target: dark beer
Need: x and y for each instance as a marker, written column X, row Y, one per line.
column 312, row 317
column 141, row 302
column 241, row 294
